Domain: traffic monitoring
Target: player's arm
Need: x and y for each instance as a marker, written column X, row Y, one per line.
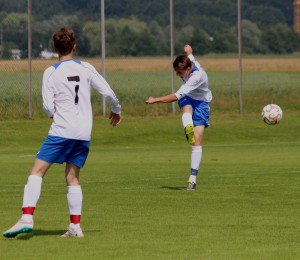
column 101, row 85
column 188, row 49
column 164, row 99
column 48, row 95
column 189, row 52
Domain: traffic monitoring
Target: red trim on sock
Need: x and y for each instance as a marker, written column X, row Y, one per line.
column 28, row 210
column 75, row 219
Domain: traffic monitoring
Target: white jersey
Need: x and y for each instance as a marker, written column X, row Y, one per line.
column 66, row 94
column 196, row 84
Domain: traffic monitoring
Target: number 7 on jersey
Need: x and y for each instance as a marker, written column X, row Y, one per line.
column 77, row 79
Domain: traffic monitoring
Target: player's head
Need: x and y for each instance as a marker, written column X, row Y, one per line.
column 183, row 66
column 64, row 41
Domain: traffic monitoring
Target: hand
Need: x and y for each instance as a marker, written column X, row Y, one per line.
column 188, row 49
column 115, row 119
column 151, row 100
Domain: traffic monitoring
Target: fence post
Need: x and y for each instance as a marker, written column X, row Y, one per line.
column 103, row 51
column 29, row 61
column 172, row 49
column 240, row 58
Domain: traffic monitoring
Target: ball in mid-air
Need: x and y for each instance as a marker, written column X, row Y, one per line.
column 271, row 114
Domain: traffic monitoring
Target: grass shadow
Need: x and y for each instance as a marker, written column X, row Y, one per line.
column 172, row 188
column 40, row 232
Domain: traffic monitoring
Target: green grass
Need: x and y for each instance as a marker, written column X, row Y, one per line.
column 133, row 88
column 246, row 205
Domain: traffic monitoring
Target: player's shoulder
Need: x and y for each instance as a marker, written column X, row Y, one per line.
column 49, row 71
column 86, row 64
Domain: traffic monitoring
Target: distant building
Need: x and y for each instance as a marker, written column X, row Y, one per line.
column 297, row 16
column 15, row 54
column 47, row 55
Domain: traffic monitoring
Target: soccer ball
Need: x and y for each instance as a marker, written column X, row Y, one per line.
column 271, row 114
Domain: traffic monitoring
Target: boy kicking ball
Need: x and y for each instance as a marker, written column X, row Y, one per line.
column 193, row 99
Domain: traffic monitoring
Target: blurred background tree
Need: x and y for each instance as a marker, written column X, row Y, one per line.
column 141, row 28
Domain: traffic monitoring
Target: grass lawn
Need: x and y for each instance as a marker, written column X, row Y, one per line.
column 246, row 205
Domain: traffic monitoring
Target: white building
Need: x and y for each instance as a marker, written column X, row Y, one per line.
column 47, row 55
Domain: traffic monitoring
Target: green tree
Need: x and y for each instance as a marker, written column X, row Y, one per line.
column 280, row 39
column 91, row 34
column 160, row 37
column 264, row 15
column 201, row 42
column 251, row 37
column 14, row 27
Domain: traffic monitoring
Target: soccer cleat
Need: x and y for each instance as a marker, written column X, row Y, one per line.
column 20, row 227
column 73, row 232
column 189, row 133
column 191, row 186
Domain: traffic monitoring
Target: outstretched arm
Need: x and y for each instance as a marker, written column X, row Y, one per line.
column 165, row 99
column 188, row 49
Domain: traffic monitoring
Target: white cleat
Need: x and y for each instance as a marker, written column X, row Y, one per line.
column 20, row 227
column 73, row 232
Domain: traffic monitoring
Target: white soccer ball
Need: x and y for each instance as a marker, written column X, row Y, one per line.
column 271, row 114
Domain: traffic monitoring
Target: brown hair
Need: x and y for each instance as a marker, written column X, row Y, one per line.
column 182, row 62
column 64, row 40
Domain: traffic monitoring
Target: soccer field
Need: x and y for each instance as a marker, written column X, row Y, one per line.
column 246, row 205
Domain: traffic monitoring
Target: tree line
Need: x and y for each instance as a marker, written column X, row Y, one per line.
column 141, row 28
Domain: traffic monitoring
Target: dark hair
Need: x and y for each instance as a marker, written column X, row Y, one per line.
column 182, row 62
column 64, row 40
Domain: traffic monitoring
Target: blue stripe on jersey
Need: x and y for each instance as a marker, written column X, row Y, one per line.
column 56, row 65
column 77, row 61
column 195, row 68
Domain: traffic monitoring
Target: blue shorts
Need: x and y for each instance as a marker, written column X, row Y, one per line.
column 201, row 110
column 59, row 150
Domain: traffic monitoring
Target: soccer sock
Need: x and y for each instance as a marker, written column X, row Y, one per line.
column 32, row 192
column 75, row 204
column 195, row 162
column 187, row 119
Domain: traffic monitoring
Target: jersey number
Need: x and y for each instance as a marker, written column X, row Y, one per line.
column 77, row 79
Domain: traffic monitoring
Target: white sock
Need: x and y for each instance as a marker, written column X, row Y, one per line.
column 74, row 226
column 74, row 197
column 32, row 191
column 187, row 119
column 27, row 217
column 195, row 162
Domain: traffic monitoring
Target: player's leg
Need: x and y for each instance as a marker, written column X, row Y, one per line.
column 74, row 196
column 196, row 156
column 76, row 161
column 187, row 122
column 201, row 117
column 32, row 191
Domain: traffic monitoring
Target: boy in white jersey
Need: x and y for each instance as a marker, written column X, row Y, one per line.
column 66, row 94
column 193, row 98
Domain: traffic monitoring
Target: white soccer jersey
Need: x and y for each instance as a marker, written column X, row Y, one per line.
column 66, row 94
column 196, row 84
